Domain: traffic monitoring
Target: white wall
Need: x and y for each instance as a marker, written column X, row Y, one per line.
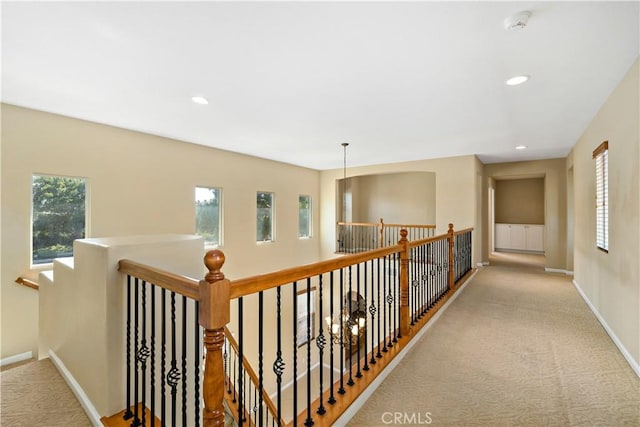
column 611, row 281
column 139, row 184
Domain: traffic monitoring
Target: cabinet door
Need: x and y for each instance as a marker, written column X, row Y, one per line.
column 503, row 238
column 518, row 237
column 535, row 238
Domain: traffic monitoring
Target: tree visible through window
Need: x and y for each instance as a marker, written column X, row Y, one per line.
column 58, row 216
column 264, row 217
column 208, row 218
column 304, row 216
column 601, row 156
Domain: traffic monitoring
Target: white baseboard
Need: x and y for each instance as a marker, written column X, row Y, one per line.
column 16, row 358
column 482, row 264
column 357, row 404
column 82, row 397
column 629, row 358
column 558, row 270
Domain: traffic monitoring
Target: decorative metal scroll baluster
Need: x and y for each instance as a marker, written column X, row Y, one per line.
column 381, row 305
column 278, row 364
column 320, row 342
column 389, row 299
column 348, row 332
column 173, row 376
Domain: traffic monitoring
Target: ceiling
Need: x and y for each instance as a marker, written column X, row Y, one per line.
column 291, row 81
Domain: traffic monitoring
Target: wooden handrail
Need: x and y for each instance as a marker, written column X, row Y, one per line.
column 466, row 230
column 28, row 283
column 253, row 376
column 172, row 282
column 262, row 282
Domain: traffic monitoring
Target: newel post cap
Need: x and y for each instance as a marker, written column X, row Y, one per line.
column 214, row 260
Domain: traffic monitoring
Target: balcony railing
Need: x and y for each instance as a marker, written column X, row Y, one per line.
column 294, row 347
column 354, row 237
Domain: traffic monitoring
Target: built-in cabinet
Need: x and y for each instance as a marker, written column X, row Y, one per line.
column 520, row 237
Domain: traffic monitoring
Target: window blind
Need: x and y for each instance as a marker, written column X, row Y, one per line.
column 601, row 156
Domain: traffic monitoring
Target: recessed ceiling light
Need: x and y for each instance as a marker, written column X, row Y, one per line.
column 199, row 100
column 521, row 147
column 517, row 80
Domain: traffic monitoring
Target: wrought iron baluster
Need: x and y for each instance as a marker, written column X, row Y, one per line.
column 241, row 394
column 309, row 421
column 128, row 414
column 381, row 306
column 372, row 312
column 184, row 360
column 196, row 373
column 320, row 342
column 136, row 420
column 173, row 377
column 163, row 357
column 348, row 322
column 366, row 329
column 260, row 355
column 341, row 390
column 278, row 364
column 143, row 353
column 153, row 355
column 295, row 351
column 332, row 398
column 360, row 328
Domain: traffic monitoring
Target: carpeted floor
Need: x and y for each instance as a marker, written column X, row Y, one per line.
column 35, row 395
column 518, row 347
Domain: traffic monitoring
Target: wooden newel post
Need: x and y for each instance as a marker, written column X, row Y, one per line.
column 214, row 315
column 404, row 283
column 450, row 238
column 381, row 233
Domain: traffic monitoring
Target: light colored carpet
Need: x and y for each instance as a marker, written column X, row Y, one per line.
column 34, row 395
column 518, row 347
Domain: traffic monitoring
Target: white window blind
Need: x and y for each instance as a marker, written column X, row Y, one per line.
column 601, row 156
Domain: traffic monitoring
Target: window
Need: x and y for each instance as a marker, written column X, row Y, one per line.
column 304, row 216
column 208, row 218
column 601, row 156
column 58, row 216
column 306, row 316
column 264, row 217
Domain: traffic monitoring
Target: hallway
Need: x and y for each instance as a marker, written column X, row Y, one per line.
column 517, row 347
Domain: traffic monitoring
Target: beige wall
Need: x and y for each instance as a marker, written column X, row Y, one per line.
column 139, row 184
column 555, row 221
column 520, row 201
column 380, row 196
column 456, row 197
column 611, row 281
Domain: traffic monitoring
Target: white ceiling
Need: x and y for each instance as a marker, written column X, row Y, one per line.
column 291, row 81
